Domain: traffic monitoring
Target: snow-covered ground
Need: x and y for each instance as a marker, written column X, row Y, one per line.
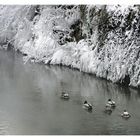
column 37, row 32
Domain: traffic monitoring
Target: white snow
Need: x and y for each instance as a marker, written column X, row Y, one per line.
column 36, row 39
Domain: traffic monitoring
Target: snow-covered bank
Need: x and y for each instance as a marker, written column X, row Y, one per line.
column 103, row 40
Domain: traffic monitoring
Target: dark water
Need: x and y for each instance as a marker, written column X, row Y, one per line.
column 30, row 101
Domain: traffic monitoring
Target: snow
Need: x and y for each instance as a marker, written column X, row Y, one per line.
column 36, row 39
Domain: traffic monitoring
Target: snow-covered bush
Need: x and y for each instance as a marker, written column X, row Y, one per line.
column 99, row 39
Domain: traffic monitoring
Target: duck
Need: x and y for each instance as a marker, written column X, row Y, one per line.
column 87, row 105
column 64, row 95
column 110, row 103
column 125, row 114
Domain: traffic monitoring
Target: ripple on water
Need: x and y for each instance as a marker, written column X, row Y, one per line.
column 31, row 103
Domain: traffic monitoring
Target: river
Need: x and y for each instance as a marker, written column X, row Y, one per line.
column 30, row 102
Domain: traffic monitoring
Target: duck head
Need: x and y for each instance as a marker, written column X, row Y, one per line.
column 85, row 102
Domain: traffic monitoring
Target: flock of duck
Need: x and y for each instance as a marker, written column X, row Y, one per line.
column 108, row 107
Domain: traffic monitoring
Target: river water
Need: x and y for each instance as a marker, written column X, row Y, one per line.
column 30, row 101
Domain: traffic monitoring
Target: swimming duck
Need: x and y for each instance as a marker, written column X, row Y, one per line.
column 110, row 103
column 125, row 114
column 64, row 95
column 87, row 105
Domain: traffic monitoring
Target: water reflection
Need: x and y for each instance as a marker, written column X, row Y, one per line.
column 30, row 101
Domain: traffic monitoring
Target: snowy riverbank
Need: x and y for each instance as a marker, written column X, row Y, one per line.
column 60, row 35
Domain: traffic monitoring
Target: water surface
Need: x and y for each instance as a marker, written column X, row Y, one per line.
column 30, row 101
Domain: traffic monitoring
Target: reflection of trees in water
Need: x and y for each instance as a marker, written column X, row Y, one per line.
column 7, row 60
column 65, row 79
column 95, row 85
column 138, row 93
column 126, row 92
column 68, row 79
column 89, row 85
column 75, row 82
column 63, row 86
